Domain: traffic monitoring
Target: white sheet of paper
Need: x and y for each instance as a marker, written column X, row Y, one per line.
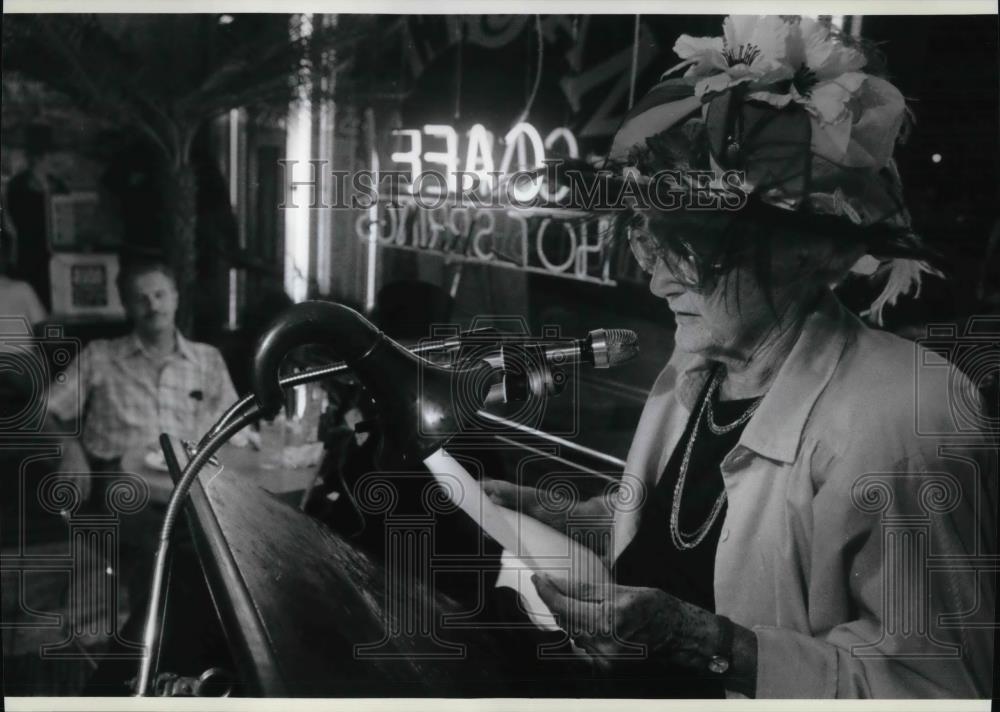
column 528, row 544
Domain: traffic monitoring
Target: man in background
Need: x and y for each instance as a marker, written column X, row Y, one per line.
column 130, row 390
column 148, row 382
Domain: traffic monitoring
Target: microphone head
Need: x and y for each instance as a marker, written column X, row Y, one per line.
column 613, row 347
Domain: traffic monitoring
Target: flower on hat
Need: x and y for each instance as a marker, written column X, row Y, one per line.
column 824, row 71
column 751, row 51
column 806, row 125
column 800, row 60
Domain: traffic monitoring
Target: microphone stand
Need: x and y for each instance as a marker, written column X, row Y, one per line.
column 239, row 415
column 151, row 631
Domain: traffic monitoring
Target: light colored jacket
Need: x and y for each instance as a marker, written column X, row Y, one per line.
column 859, row 538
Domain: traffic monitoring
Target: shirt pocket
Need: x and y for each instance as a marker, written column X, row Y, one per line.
column 191, row 399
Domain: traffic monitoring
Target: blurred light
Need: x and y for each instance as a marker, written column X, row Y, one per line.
column 936, row 158
column 301, row 399
column 232, row 320
column 298, row 147
column 234, row 157
column 373, row 223
column 226, row 19
column 324, row 150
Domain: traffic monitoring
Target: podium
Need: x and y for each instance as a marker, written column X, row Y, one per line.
column 305, row 613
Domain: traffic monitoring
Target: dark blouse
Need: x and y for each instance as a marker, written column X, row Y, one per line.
column 651, row 559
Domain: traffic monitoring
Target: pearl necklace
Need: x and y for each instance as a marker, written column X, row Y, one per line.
column 682, row 540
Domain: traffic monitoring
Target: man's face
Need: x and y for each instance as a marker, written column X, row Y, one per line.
column 151, row 303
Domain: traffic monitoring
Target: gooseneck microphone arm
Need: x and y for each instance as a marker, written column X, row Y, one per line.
column 317, row 374
column 352, row 336
column 154, row 610
column 418, row 403
column 602, row 348
column 240, row 406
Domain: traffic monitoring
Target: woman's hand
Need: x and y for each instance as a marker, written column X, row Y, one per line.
column 610, row 621
column 552, row 509
column 613, row 623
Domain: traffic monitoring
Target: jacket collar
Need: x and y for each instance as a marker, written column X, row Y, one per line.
column 775, row 430
column 133, row 345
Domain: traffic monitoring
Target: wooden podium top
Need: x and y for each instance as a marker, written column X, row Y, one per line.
column 307, row 614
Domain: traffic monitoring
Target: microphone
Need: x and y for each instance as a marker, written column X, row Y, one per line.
column 524, row 367
column 513, row 378
column 533, row 368
column 602, row 348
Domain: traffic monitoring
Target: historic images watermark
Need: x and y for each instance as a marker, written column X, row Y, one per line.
column 47, row 481
column 555, row 185
column 34, row 362
column 935, row 516
column 555, row 220
column 87, row 567
column 963, row 363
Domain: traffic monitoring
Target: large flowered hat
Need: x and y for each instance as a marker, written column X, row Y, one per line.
column 785, row 102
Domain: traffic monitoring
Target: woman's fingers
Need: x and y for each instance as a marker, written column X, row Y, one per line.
column 563, row 589
column 552, row 596
column 585, row 620
column 579, row 588
column 506, row 494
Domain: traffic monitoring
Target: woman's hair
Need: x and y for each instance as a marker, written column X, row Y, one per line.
column 758, row 236
column 752, row 238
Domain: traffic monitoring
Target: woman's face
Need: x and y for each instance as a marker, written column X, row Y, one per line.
column 730, row 316
column 721, row 322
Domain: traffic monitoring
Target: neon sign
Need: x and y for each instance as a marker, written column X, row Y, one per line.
column 437, row 161
column 435, row 150
column 540, row 241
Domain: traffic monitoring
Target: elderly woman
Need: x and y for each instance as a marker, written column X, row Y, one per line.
column 799, row 533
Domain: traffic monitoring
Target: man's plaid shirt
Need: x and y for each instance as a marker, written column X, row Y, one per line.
column 126, row 401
